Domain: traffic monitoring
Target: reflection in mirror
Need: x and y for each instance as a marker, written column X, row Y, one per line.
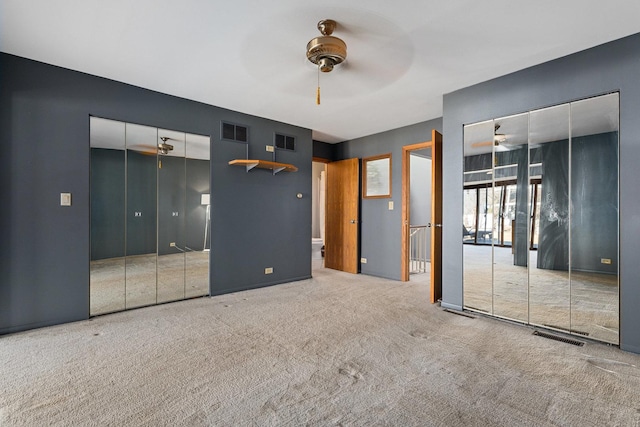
column 171, row 214
column 594, row 217
column 510, row 185
column 198, row 219
column 141, row 215
column 107, row 265
column 547, row 181
column 150, row 215
column 477, row 226
column 549, row 247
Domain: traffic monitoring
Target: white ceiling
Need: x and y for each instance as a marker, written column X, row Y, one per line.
column 249, row 55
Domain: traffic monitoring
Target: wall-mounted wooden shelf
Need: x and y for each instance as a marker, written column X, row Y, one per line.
column 264, row 164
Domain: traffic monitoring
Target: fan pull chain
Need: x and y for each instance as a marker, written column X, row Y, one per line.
column 318, row 91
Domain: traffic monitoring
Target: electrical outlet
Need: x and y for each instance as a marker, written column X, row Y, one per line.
column 65, row 199
column 363, row 260
column 605, row 261
column 172, row 244
column 270, row 148
column 268, row 270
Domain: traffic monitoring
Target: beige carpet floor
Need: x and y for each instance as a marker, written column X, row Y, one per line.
column 335, row 350
column 122, row 283
column 586, row 303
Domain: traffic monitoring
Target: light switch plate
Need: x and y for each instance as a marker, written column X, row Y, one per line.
column 65, row 199
column 390, row 206
column 363, row 260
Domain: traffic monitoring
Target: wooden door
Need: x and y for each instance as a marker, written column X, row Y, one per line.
column 342, row 215
column 436, row 216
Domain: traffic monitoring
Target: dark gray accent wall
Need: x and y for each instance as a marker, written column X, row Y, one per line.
column 381, row 228
column 142, row 197
column 594, row 194
column 107, row 203
column 553, row 235
column 322, row 150
column 603, row 69
column 44, row 115
column 197, row 184
column 171, row 205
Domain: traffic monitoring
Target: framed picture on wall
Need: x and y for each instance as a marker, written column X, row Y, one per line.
column 376, row 177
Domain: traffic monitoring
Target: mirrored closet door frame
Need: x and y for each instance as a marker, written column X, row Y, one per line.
column 541, row 217
column 150, row 215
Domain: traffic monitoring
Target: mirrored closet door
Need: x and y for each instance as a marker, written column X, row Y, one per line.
column 540, row 224
column 150, row 215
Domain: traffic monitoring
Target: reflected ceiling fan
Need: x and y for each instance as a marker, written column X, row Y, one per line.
column 152, row 150
column 498, row 138
column 163, row 147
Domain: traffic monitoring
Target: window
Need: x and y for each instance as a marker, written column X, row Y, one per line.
column 285, row 142
column 233, row 132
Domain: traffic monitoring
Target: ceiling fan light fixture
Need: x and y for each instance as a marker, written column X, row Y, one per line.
column 326, row 64
column 163, row 147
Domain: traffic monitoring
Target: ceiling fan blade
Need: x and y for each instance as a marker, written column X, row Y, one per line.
column 482, row 144
column 145, row 149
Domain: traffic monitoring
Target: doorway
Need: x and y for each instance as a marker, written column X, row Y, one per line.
column 318, row 215
column 420, row 169
column 434, row 226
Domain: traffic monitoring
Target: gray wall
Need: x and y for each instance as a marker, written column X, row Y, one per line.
column 380, row 228
column 420, row 190
column 44, row 115
column 107, row 203
column 325, row 151
column 197, row 183
column 420, row 194
column 610, row 67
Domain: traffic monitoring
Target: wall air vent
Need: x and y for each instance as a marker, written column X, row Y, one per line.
column 285, row 142
column 234, row 132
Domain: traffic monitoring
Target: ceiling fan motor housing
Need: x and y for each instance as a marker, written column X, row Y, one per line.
column 326, row 51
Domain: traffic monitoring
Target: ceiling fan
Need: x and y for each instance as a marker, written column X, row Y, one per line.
column 326, row 51
column 498, row 138
column 152, row 150
column 163, row 147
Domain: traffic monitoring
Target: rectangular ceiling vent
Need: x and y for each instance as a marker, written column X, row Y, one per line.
column 234, row 132
column 285, row 142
